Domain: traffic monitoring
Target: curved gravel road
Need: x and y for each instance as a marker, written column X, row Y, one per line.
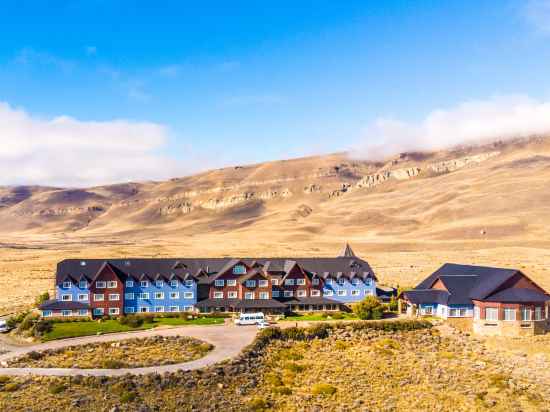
column 228, row 341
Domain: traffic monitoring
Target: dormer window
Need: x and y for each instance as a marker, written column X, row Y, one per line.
column 239, row 270
column 341, row 281
column 67, row 285
column 159, row 283
column 83, row 284
column 315, row 281
column 174, row 283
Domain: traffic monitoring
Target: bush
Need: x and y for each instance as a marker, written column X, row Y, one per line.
column 128, row 397
column 294, row 367
column 15, row 320
column 258, row 404
column 34, row 355
column 131, row 321
column 113, row 364
column 4, row 379
column 369, row 308
column 323, row 389
column 42, row 327
column 10, row 387
column 272, row 379
column 40, row 299
column 282, row 390
column 337, row 315
column 56, row 388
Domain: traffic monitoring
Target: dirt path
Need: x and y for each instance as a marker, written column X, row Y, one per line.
column 228, row 341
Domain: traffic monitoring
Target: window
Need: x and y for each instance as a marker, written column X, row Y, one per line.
column 219, row 282
column 263, row 283
column 427, row 310
column 231, row 282
column 144, row 283
column 174, row 283
column 369, row 292
column 174, row 308
column 188, row 308
column 477, row 312
column 66, row 298
column 99, row 311
column 301, row 293
column 250, row 283
column 329, row 281
column 355, row 293
column 275, row 282
column 341, row 281
column 264, row 295
column 218, row 295
column 454, row 313
column 491, row 314
column 249, row 295
column 112, row 284
column 67, row 312
column 46, row 313
column 114, row 296
column 239, row 270
column 83, row 284
column 327, row 292
column 100, row 284
column 67, row 285
column 129, row 309
column 159, row 295
column 129, row 283
column 342, row 293
column 159, row 283
column 368, row 281
column 525, row 314
column 188, row 283
column 509, row 314
column 188, row 295
column 83, row 297
column 232, row 295
column 129, row 296
column 144, row 295
column 174, row 295
column 300, row 282
column 275, row 293
column 315, row 292
column 288, row 293
column 315, row 281
column 114, row 311
column 289, row 282
column 144, row 309
column 99, row 297
column 355, row 281
column 159, row 308
column 538, row 313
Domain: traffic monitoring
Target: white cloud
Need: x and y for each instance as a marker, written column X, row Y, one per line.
column 472, row 122
column 67, row 152
column 537, row 13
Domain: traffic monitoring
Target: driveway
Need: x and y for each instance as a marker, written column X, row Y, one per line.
column 228, row 341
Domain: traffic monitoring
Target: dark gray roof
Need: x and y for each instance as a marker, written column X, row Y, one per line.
column 420, row 296
column 183, row 267
column 518, row 295
column 63, row 305
column 459, row 288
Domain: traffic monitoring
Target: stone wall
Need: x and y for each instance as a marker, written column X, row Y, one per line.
column 509, row 328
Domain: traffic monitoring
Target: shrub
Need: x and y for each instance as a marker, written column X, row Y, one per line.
column 273, row 379
column 323, row 389
column 128, row 397
column 56, row 388
column 257, row 404
column 4, row 379
column 131, row 321
column 113, row 364
column 28, row 322
column 393, row 304
column 294, row 333
column 369, row 308
column 42, row 327
column 10, row 387
column 15, row 320
column 40, row 299
column 337, row 315
column 34, row 355
column 282, row 390
column 294, row 367
column 320, row 331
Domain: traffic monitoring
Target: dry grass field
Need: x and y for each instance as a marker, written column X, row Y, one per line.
column 493, row 210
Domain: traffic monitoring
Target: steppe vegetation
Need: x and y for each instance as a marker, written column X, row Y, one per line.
column 131, row 353
column 397, row 365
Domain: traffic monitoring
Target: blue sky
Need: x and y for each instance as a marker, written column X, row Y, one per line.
column 247, row 81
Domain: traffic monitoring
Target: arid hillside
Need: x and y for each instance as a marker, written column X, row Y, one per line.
column 406, row 215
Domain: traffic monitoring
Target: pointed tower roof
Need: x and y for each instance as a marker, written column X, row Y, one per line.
column 347, row 252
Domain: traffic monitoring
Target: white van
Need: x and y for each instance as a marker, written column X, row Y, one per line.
column 4, row 326
column 250, row 318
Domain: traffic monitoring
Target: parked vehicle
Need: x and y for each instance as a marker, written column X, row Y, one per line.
column 250, row 318
column 264, row 324
column 4, row 328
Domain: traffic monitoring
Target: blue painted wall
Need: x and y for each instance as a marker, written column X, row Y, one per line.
column 166, row 303
column 363, row 289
